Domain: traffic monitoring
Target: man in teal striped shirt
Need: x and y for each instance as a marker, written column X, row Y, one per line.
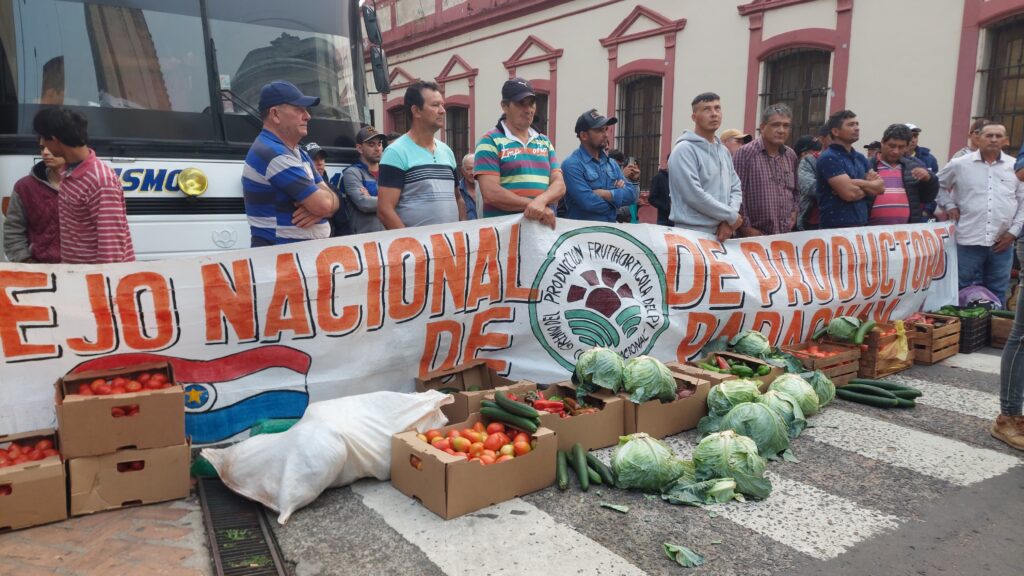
column 515, row 165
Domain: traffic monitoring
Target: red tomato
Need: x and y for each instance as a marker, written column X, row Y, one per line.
column 476, row 448
column 453, row 434
column 431, row 434
column 441, row 443
column 44, row 444
column 5, row 490
column 495, row 427
column 490, row 453
column 159, row 376
column 504, row 439
column 153, row 384
column 13, row 451
column 133, row 385
column 50, row 452
column 137, row 465
column 493, row 442
column 35, row 455
column 132, row 410
column 4, row 461
column 479, row 427
column 103, row 390
column 521, row 437
column 117, row 411
column 21, row 459
column 143, row 376
column 416, row 462
column 119, row 381
column 461, row 444
column 521, row 448
column 503, row 458
column 118, row 390
column 486, row 460
column 84, row 389
column 97, row 383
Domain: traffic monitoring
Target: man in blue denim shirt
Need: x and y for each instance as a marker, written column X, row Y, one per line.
column 595, row 186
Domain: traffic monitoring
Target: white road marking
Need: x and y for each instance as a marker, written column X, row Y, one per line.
column 962, row 400
column 977, row 361
column 924, row 453
column 517, row 525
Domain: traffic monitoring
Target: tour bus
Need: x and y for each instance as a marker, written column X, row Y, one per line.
column 171, row 92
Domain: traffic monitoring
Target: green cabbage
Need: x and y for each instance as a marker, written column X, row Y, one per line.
column 692, row 493
column 822, row 385
column 644, row 463
column 762, row 425
column 600, row 368
column 787, row 408
column 843, row 328
column 728, row 455
column 723, row 397
column 800, row 390
column 751, row 343
column 646, row 378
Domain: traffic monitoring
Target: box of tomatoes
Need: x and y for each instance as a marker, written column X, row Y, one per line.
column 102, row 411
column 464, row 467
column 128, row 477
column 32, row 490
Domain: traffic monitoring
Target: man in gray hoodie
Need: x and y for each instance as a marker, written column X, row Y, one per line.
column 705, row 189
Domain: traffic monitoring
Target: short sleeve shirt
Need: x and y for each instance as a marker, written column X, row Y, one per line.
column 524, row 169
column 274, row 180
column 427, row 181
column 834, row 211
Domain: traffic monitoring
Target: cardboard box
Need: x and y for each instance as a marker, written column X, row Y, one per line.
column 467, row 403
column 660, row 419
column 32, row 493
column 88, row 427
column 472, row 382
column 450, row 486
column 712, row 378
column 1000, row 331
column 765, row 380
column 110, row 481
column 592, row 431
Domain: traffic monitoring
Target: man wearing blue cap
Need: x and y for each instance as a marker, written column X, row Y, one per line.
column 286, row 200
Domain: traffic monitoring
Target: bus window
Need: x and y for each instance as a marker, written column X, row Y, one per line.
column 305, row 42
column 137, row 69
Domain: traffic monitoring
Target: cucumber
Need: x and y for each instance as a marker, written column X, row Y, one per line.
column 513, row 407
column 1009, row 314
column 905, row 403
column 872, row 390
column 562, row 472
column 876, row 401
column 579, row 457
column 858, row 336
column 883, row 384
column 819, row 332
column 524, row 424
column 570, row 459
column 907, row 394
column 489, row 404
column 764, row 370
column 742, row 371
column 595, row 478
column 606, row 473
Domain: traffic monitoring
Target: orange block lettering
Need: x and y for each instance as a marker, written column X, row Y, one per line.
column 329, row 263
column 699, row 328
column 767, row 276
column 432, row 345
column 287, row 310
column 480, row 340
column 697, row 264
column 229, row 299
column 842, row 268
column 129, row 300
column 513, row 291
column 816, row 251
column 401, row 284
column 15, row 318
column 101, row 303
column 486, row 281
column 797, row 292
column 451, row 267
column 720, row 271
column 374, row 286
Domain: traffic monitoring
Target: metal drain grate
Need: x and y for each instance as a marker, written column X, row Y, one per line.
column 241, row 541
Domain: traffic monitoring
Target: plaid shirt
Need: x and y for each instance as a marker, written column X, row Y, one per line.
column 769, row 187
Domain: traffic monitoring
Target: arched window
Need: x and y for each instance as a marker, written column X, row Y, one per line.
column 798, row 78
column 1004, row 86
column 639, row 131
column 399, row 119
column 456, row 131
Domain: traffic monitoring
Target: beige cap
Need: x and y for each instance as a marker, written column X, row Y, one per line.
column 734, row 133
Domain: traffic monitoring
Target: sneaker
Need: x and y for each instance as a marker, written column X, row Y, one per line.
column 1009, row 430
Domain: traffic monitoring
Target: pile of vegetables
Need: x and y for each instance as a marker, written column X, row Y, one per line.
column 493, row 443
column 974, row 312
column 736, row 367
column 644, row 378
column 845, row 329
column 587, row 468
column 751, row 343
column 564, row 406
column 879, row 393
column 506, row 408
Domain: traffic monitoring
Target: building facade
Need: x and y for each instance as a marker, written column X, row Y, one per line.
column 935, row 63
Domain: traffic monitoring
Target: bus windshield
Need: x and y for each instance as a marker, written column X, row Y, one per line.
column 154, row 71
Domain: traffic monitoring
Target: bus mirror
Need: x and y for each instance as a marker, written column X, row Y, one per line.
column 379, row 64
column 372, row 25
column 192, row 182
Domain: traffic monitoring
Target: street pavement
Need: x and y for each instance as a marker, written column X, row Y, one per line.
column 889, row 492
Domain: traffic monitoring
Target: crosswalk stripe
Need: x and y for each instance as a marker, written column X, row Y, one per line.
column 976, row 361
column 924, row 453
column 808, row 519
column 516, row 524
column 962, row 400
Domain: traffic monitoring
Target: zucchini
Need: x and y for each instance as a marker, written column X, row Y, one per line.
column 872, row 390
column 907, row 394
column 562, row 472
column 605, row 472
column 524, row 424
column 876, row 401
column 883, row 384
column 905, row 403
column 513, row 407
column 579, row 457
column 858, row 336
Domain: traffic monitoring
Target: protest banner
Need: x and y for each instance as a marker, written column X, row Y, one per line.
column 259, row 333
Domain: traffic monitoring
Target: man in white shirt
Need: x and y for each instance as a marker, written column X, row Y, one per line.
column 982, row 194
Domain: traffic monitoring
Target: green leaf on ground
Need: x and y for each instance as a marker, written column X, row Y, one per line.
column 683, row 555
column 616, row 507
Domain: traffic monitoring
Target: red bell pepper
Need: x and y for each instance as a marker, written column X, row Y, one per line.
column 722, row 363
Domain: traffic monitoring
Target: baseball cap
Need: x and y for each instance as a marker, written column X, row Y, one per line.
column 368, row 133
column 913, row 127
column 314, row 150
column 516, row 89
column 282, row 92
column 593, row 119
column 875, row 145
column 805, row 143
column 734, row 133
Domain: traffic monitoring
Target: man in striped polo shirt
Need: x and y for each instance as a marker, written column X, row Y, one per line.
column 286, row 200
column 908, row 182
column 515, row 165
column 90, row 204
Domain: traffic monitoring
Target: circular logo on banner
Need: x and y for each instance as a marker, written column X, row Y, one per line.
column 598, row 287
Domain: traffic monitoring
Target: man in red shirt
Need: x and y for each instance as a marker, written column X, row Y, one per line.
column 93, row 221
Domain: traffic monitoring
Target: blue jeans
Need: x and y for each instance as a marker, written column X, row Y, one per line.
column 980, row 265
column 1011, row 374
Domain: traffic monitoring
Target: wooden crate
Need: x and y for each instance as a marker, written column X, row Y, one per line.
column 974, row 332
column 873, row 360
column 1000, row 331
column 840, row 368
column 934, row 343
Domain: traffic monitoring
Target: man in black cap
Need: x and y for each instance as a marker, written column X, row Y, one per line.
column 279, row 173
column 595, row 185
column 871, row 149
column 515, row 166
column 360, row 182
column 340, row 225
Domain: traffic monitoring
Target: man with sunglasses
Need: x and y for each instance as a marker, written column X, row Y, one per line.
column 286, row 200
